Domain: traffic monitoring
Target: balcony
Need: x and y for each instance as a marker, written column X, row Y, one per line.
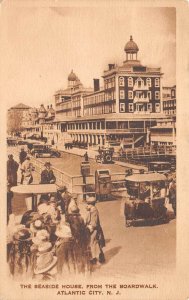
column 141, row 99
column 125, row 130
column 142, row 87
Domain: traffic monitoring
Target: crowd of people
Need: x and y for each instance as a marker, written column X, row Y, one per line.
column 56, row 239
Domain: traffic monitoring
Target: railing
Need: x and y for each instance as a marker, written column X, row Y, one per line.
column 141, row 99
column 142, row 87
column 152, row 150
column 75, row 183
column 124, row 130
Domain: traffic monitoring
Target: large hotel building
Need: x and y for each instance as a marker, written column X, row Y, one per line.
column 127, row 106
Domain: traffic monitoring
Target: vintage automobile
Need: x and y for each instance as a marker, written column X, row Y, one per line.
column 11, row 141
column 104, row 156
column 39, row 150
column 146, row 198
column 161, row 167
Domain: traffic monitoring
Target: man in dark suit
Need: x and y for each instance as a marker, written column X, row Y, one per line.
column 47, row 175
column 12, row 168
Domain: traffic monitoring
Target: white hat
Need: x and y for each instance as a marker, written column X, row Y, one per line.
column 44, row 247
column 63, row 231
column 41, row 236
column 45, row 262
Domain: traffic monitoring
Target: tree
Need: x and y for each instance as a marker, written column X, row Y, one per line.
column 14, row 121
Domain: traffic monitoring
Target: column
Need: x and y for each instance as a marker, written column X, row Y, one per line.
column 117, row 93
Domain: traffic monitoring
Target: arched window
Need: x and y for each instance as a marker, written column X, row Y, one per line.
column 148, row 81
column 121, row 81
column 140, row 82
column 130, row 81
column 157, row 82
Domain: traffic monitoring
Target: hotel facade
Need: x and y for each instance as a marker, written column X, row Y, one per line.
column 124, row 109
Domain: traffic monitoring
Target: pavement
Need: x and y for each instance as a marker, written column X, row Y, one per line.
column 92, row 152
column 130, row 251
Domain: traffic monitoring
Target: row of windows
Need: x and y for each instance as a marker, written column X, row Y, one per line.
column 94, row 99
column 77, row 113
column 169, row 103
column 104, row 109
column 139, row 82
column 90, row 125
column 76, row 103
column 138, row 94
column 109, row 83
column 109, row 96
column 139, row 107
column 171, row 112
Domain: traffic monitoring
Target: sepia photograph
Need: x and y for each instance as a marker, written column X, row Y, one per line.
column 91, row 149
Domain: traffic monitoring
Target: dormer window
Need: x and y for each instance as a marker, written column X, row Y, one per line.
column 140, row 82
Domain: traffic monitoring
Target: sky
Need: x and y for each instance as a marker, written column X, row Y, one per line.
column 41, row 45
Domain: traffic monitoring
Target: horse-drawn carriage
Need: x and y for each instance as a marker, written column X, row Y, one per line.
column 146, row 198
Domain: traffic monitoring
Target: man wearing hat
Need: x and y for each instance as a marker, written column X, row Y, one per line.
column 27, row 169
column 64, row 198
column 22, row 158
column 47, row 175
column 22, row 155
column 97, row 241
column 12, row 168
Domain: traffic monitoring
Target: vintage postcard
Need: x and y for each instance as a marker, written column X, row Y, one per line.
column 94, row 135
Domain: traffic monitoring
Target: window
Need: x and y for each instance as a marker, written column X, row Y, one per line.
column 130, row 94
column 157, row 82
column 122, row 107
column 172, row 93
column 149, row 107
column 157, row 107
column 130, row 107
column 140, row 83
column 148, row 82
column 122, row 94
column 130, row 81
column 150, row 95
column 157, row 95
column 121, row 81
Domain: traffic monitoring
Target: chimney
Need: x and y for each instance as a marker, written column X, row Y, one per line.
column 111, row 66
column 96, row 85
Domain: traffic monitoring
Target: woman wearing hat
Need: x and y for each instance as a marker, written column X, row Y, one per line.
column 47, row 175
column 46, row 266
column 97, row 241
column 19, row 256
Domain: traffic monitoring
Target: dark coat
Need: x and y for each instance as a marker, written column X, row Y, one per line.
column 81, row 236
column 12, row 168
column 47, row 176
column 22, row 156
column 97, row 240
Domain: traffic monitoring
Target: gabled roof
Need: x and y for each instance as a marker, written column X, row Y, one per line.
column 20, row 106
